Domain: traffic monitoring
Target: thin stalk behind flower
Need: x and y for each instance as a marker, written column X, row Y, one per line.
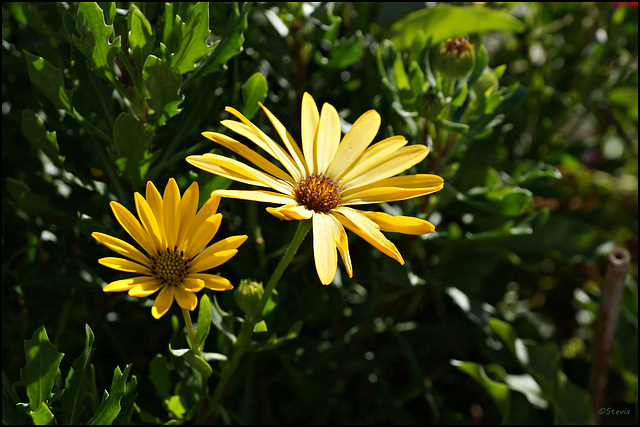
column 324, row 177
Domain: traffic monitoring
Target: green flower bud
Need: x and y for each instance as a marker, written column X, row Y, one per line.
column 248, row 296
column 429, row 105
column 455, row 57
column 486, row 81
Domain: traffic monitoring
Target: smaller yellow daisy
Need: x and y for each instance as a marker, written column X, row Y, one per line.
column 174, row 234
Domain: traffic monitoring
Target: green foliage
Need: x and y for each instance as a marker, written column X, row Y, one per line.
column 491, row 319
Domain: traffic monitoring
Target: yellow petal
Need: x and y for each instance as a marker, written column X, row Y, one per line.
column 145, row 289
column 324, row 248
column 206, row 213
column 400, row 224
column 124, row 265
column 148, row 220
column 419, row 182
column 121, row 247
column 328, row 137
column 192, row 284
column 209, row 166
column 290, row 143
column 202, row 236
column 355, row 142
column 291, row 211
column 126, row 284
column 250, row 155
column 187, row 210
column 342, row 242
column 187, row 300
column 213, row 282
column 309, row 124
column 382, row 168
column 133, row 227
column 170, row 201
column 163, row 302
column 368, row 230
column 255, row 195
column 154, row 199
column 373, row 155
column 206, row 261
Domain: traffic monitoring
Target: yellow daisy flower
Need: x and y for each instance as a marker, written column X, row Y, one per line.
column 325, row 178
column 173, row 233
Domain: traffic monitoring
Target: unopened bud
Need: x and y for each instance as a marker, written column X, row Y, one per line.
column 248, row 296
column 455, row 57
column 429, row 105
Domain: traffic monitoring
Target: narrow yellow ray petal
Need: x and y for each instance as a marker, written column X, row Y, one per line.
column 142, row 290
column 402, row 160
column 212, row 281
column 202, row 236
column 154, row 199
column 255, row 195
column 211, row 167
column 291, row 211
column 400, row 224
column 309, row 128
column 192, row 284
column 170, row 201
column 163, row 302
column 126, row 284
column 402, row 182
column 328, row 137
column 386, row 194
column 148, row 220
column 121, row 247
column 289, row 142
column 342, row 242
column 250, row 155
column 324, row 248
column 187, row 210
column 187, row 300
column 376, row 153
column 206, row 213
column 124, row 265
column 206, row 261
column 132, row 227
column 368, row 230
column 355, row 142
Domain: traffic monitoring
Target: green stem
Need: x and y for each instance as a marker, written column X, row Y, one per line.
column 246, row 332
column 192, row 336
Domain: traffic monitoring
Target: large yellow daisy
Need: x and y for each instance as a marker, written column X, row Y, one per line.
column 325, row 177
column 174, row 234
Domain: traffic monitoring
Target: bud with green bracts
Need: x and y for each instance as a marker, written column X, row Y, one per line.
column 455, row 57
column 248, row 296
column 429, row 105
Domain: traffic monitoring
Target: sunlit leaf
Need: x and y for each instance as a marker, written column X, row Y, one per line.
column 110, row 407
column 254, row 90
column 164, row 90
column 49, row 80
column 191, row 39
column 141, row 36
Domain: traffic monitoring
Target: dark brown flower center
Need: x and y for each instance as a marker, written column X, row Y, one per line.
column 170, row 267
column 318, row 193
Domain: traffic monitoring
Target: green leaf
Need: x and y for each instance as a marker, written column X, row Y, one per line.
column 78, row 383
column 445, row 21
column 254, row 90
column 49, row 80
column 261, row 326
column 159, row 376
column 195, row 361
column 34, row 130
column 191, row 37
column 110, row 406
column 498, row 391
column 42, row 363
column 140, row 36
column 93, row 41
column 204, row 321
column 42, row 416
column 345, row 53
column 163, row 86
column 132, row 144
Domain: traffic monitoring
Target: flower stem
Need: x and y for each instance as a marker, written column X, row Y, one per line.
column 246, row 332
column 192, row 336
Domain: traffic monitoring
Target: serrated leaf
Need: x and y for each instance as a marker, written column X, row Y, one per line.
column 132, row 144
column 41, row 368
column 42, row 416
column 140, row 36
column 204, row 321
column 192, row 37
column 110, row 406
column 93, row 41
column 254, row 90
column 77, row 384
column 49, row 80
column 127, row 402
column 444, row 21
column 34, row 130
column 163, row 86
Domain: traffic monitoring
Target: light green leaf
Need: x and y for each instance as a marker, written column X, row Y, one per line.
column 261, row 326
column 191, row 39
column 140, row 36
column 34, row 130
column 42, row 363
column 163, row 86
column 498, row 391
column 94, row 39
column 195, row 361
column 78, row 382
column 42, row 416
column 110, row 406
column 204, row 321
column 254, row 90
column 445, row 21
column 49, row 80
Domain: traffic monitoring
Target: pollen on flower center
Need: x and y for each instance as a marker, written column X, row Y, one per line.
column 318, row 193
column 170, row 267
